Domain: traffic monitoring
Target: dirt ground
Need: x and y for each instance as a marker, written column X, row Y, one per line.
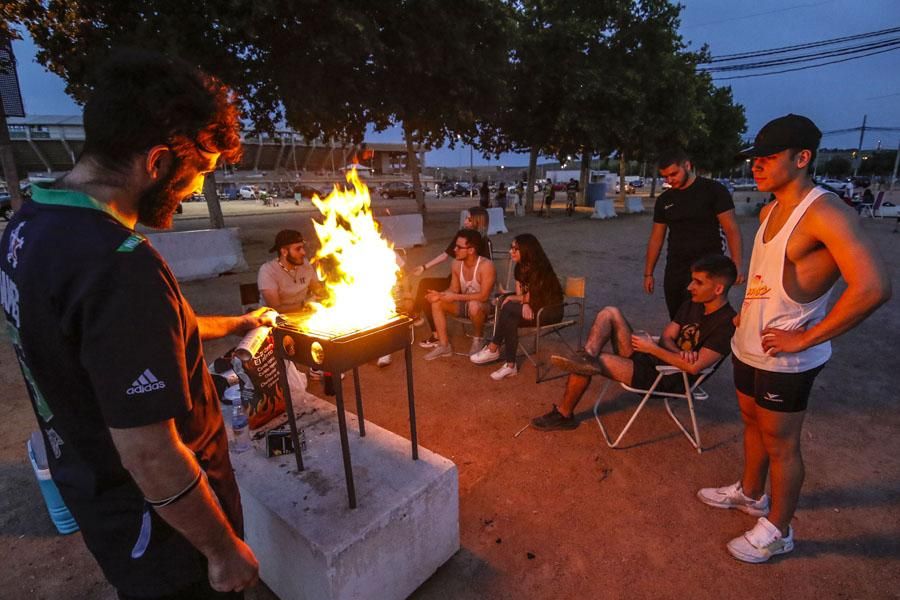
column 559, row 515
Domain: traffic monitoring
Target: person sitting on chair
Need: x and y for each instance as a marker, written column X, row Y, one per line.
column 698, row 337
column 537, row 287
column 286, row 281
column 471, row 284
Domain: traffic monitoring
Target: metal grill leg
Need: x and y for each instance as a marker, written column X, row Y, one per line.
column 289, row 408
column 359, row 406
column 412, row 402
column 345, row 442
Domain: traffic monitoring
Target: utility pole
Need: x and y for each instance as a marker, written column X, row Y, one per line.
column 862, row 132
column 896, row 161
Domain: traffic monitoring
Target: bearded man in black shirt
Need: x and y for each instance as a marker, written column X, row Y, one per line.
column 695, row 211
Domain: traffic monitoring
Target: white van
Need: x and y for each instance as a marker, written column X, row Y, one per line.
column 248, row 192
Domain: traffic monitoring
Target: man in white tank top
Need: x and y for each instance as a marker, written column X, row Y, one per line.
column 471, row 284
column 808, row 238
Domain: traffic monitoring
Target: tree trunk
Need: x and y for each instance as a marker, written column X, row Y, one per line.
column 653, row 187
column 585, row 177
column 216, row 218
column 412, row 163
column 8, row 162
column 622, row 176
column 532, row 172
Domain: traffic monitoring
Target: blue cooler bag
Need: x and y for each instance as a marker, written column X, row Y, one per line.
column 60, row 515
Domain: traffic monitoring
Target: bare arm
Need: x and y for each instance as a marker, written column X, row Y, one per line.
column 837, row 227
column 704, row 358
column 162, row 467
column 667, row 339
column 654, row 247
column 735, row 245
column 212, row 328
column 431, row 263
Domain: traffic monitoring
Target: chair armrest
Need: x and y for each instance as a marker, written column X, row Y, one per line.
column 671, row 370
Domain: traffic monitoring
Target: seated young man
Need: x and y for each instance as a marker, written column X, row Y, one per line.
column 698, row 336
column 471, row 283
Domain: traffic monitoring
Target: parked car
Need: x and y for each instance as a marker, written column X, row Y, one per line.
column 842, row 188
column 629, row 187
column 248, row 192
column 6, row 210
column 308, row 191
column 397, row 189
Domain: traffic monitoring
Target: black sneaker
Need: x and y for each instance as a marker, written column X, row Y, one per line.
column 431, row 342
column 581, row 363
column 554, row 421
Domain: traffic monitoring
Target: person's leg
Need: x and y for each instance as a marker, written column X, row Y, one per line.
column 576, row 385
column 478, row 315
column 439, row 310
column 675, row 282
column 756, row 459
column 421, row 305
column 508, row 330
column 615, row 367
column 610, row 326
column 780, row 433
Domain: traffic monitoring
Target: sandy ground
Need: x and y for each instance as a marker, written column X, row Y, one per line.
column 559, row 515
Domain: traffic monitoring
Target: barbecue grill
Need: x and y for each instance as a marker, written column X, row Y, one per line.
column 336, row 354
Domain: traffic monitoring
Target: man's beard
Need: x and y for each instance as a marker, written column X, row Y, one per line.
column 158, row 203
column 293, row 261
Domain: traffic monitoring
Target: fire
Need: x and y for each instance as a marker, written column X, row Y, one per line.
column 357, row 266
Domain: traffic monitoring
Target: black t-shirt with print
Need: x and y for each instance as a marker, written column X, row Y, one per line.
column 105, row 339
column 692, row 218
column 698, row 330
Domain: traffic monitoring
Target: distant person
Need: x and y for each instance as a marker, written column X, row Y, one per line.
column 694, row 211
column 698, row 337
column 571, row 195
column 484, row 195
column 288, row 280
column 111, row 350
column 549, row 194
column 501, row 195
column 537, row 289
column 807, row 239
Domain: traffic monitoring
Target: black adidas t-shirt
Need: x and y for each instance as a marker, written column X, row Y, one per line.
column 698, row 330
column 692, row 218
column 105, row 339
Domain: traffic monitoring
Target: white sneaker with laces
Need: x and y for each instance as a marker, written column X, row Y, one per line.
column 477, row 344
column 315, row 374
column 485, row 355
column 732, row 496
column 439, row 351
column 761, row 543
column 384, row 361
column 507, row 370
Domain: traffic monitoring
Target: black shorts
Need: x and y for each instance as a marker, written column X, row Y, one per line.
column 779, row 392
column 644, row 374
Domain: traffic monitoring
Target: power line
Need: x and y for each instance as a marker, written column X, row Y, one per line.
column 806, row 57
column 832, row 62
column 761, row 14
column 786, row 49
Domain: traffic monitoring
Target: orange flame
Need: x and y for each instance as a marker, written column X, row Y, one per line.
column 357, row 266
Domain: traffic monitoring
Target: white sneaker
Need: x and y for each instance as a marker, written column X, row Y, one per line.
column 384, row 361
column 761, row 543
column 316, row 374
column 477, row 344
column 430, row 342
column 507, row 370
column 485, row 355
column 419, row 322
column 439, row 351
column 732, row 496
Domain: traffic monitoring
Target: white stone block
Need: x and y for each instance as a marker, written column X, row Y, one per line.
column 604, row 209
column 312, row 546
column 403, row 231
column 200, row 254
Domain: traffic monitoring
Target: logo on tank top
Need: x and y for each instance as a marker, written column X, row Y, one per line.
column 757, row 289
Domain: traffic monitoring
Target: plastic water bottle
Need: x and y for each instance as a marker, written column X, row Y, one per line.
column 239, row 428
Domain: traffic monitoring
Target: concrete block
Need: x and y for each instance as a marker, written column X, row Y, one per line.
column 312, row 546
column 404, row 231
column 604, row 209
column 634, row 205
column 200, row 254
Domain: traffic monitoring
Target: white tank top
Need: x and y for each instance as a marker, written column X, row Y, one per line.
column 472, row 286
column 767, row 304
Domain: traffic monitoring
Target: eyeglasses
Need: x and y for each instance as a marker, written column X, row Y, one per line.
column 458, row 247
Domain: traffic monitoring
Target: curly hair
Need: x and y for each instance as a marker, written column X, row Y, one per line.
column 141, row 99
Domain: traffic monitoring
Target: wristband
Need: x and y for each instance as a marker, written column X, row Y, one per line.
column 173, row 499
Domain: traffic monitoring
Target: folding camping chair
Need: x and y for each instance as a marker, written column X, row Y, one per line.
column 573, row 315
column 500, row 288
column 249, row 296
column 692, row 392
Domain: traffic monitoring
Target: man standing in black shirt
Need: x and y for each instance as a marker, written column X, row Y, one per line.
column 111, row 350
column 693, row 210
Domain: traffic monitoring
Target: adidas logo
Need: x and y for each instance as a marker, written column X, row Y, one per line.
column 147, row 382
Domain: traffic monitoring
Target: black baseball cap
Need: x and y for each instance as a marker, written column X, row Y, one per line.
column 789, row 131
column 286, row 237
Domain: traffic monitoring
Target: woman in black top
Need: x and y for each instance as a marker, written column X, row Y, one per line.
column 537, row 291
